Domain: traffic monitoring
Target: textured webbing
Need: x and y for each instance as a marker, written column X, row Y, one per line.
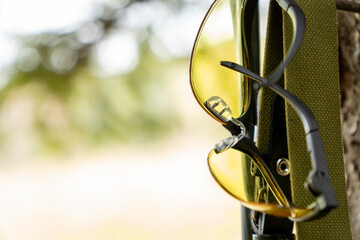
column 313, row 77
column 272, row 57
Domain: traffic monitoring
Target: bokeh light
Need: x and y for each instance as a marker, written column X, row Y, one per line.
column 100, row 136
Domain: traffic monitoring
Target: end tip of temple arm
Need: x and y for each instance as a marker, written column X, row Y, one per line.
column 243, row 70
column 319, row 184
column 228, row 64
column 318, row 181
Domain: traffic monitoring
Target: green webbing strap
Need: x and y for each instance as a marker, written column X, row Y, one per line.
column 313, row 77
column 273, row 55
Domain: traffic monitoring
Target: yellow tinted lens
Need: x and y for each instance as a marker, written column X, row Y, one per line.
column 219, row 39
column 250, row 182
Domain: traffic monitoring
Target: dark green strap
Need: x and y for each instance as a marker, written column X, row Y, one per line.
column 313, row 77
column 273, row 55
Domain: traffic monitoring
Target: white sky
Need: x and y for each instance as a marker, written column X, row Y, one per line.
column 22, row 17
column 175, row 33
column 35, row 16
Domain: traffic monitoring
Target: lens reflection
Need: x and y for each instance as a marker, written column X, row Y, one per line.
column 250, row 183
column 219, row 39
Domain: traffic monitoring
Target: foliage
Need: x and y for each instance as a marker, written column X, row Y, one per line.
column 57, row 98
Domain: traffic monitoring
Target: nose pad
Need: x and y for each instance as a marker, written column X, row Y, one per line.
column 226, row 144
column 219, row 108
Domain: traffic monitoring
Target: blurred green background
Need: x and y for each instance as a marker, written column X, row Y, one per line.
column 100, row 136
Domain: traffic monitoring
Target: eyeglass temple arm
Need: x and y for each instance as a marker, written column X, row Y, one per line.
column 318, row 181
column 298, row 23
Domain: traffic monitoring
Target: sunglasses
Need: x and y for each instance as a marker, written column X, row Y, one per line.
column 224, row 87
